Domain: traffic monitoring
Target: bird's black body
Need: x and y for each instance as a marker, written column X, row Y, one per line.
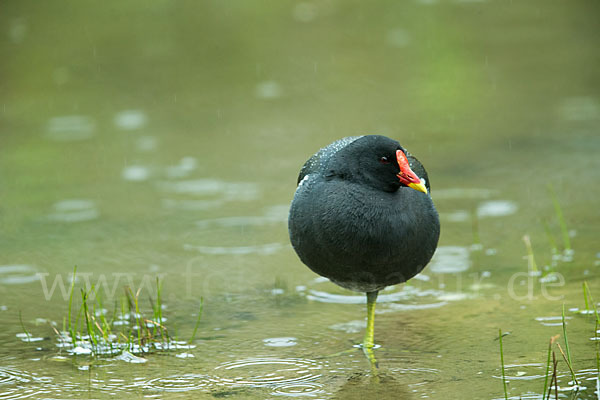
column 352, row 220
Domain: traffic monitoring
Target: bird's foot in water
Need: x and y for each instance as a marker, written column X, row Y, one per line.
column 368, row 346
column 367, row 349
column 370, row 354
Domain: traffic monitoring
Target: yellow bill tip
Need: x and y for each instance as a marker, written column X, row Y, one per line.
column 418, row 186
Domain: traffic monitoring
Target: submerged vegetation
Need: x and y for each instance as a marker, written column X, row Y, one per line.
column 556, row 351
column 127, row 330
column 551, row 375
column 502, row 364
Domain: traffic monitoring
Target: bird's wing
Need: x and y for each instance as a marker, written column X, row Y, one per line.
column 315, row 163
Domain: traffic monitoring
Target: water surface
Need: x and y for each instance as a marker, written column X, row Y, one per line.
column 142, row 140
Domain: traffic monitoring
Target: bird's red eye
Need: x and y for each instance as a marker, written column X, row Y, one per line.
column 384, row 160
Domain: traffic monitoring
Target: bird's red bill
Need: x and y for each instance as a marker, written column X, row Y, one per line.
column 406, row 175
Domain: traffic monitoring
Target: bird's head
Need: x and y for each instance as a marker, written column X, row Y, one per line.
column 379, row 162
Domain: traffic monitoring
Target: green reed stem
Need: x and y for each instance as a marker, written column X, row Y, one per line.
column 548, row 362
column 502, row 362
column 138, row 318
column 23, row 326
column 585, row 296
column 88, row 320
column 530, row 255
column 564, row 326
column 547, row 370
column 597, row 343
column 588, row 295
column 158, row 310
column 568, row 358
column 70, row 324
column 573, row 376
column 197, row 320
column 554, row 376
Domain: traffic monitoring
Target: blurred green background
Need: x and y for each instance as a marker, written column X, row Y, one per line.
column 131, row 131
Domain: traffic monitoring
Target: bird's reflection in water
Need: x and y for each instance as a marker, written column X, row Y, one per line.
column 362, row 386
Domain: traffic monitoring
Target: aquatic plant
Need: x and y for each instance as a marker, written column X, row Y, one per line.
column 551, row 356
column 502, row 363
column 197, row 320
column 550, row 237
column 95, row 331
column 27, row 334
column 568, row 355
column 560, row 218
column 589, row 300
column 530, row 255
column 554, row 346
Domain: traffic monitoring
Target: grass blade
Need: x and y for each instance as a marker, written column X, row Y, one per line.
column 198, row 320
column 550, row 237
column 568, row 364
column 70, row 324
column 568, row 356
column 564, row 326
column 23, row 327
column 552, row 340
column 530, row 256
column 561, row 218
column 502, row 362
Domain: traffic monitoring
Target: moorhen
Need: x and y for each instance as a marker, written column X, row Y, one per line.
column 362, row 216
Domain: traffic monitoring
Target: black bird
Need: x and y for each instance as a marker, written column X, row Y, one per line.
column 362, row 216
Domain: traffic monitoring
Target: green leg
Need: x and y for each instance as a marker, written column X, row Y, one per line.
column 368, row 342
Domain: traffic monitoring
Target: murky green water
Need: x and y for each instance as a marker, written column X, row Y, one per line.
column 141, row 140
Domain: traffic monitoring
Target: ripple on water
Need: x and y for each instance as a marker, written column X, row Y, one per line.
column 411, row 307
column 456, row 216
column 416, row 370
column 17, row 384
column 18, row 274
column 74, row 210
column 450, row 260
column 70, row 128
column 355, row 326
column 11, row 375
column 264, row 249
column 180, row 383
column 227, row 191
column 326, row 297
column 524, row 372
column 146, row 143
column 287, row 377
column 552, row 321
column 185, row 166
column 280, row 342
column 267, row 371
column 388, row 298
column 27, row 337
column 130, row 119
column 268, row 90
column 496, row 208
column 298, row 389
column 135, row 173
